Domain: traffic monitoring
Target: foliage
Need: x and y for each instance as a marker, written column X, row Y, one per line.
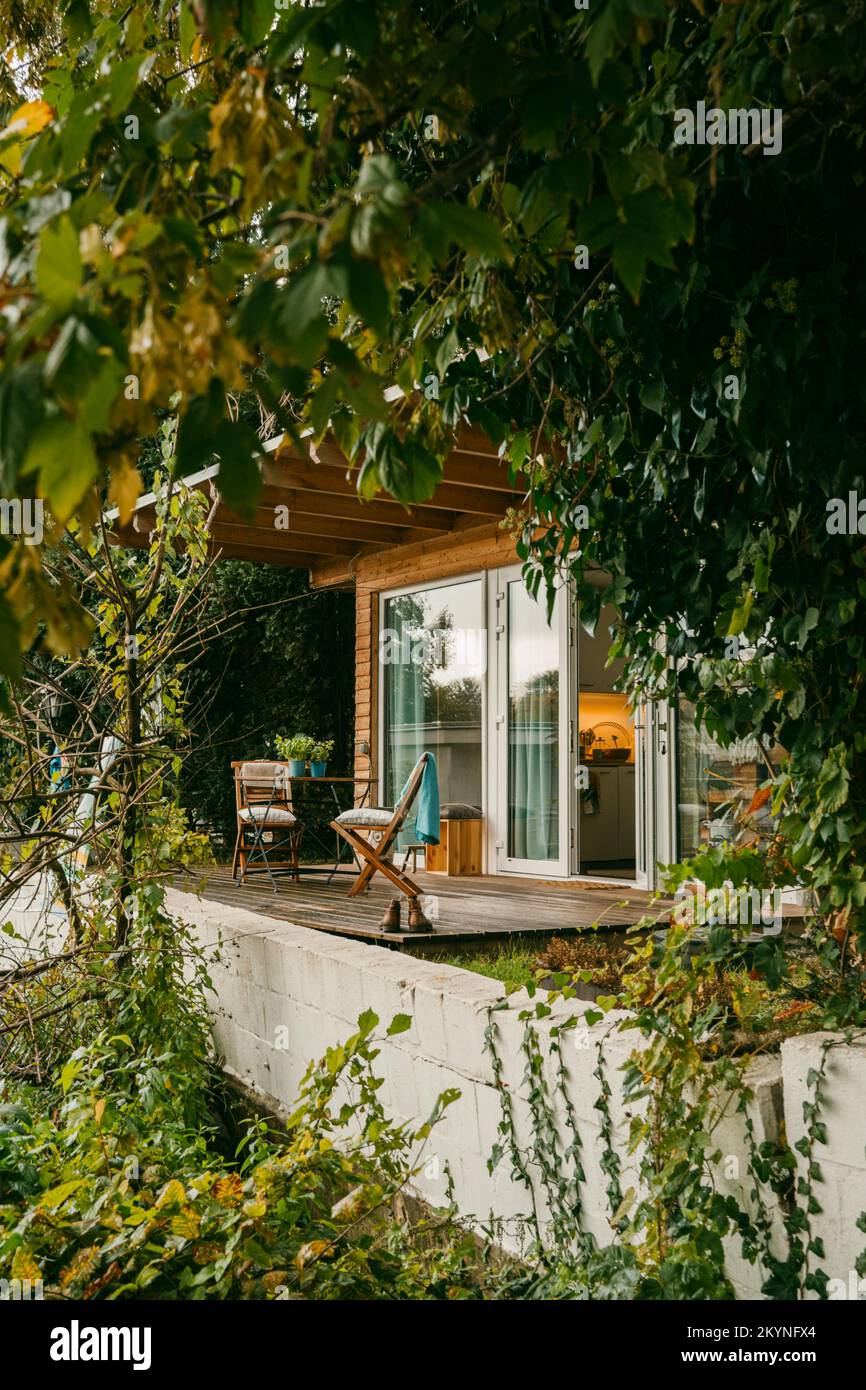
column 373, row 210
column 127, row 1194
column 351, row 197
column 295, row 746
column 98, row 842
column 322, row 750
column 674, row 1227
column 200, row 199
column 514, row 965
column 268, row 664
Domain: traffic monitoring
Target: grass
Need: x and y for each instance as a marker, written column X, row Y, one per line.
column 512, row 965
column 752, row 1013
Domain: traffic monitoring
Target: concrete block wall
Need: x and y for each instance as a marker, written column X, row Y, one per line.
column 841, row 1193
column 283, row 994
column 38, row 921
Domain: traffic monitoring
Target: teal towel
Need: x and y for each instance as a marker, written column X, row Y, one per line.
column 427, row 805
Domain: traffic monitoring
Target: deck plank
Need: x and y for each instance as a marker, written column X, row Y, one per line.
column 470, row 909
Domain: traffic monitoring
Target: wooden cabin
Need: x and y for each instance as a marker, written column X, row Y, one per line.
column 545, row 770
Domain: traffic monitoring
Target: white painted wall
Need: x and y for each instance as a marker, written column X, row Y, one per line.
column 38, row 919
column 279, row 983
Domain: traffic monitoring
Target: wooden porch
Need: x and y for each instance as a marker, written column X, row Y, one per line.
column 468, row 910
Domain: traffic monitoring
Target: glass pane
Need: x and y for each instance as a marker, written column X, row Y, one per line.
column 714, row 784
column 433, row 649
column 533, row 729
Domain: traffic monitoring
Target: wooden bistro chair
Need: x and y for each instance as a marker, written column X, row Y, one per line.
column 265, row 807
column 371, row 832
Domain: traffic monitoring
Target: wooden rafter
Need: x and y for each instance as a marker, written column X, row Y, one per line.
column 324, row 525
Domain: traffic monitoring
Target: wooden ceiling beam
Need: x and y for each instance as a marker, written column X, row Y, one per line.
column 283, row 556
column 267, row 538
column 290, row 559
column 387, row 516
column 263, row 524
column 332, row 574
column 460, row 469
column 468, row 470
column 311, row 524
column 322, row 478
column 350, row 507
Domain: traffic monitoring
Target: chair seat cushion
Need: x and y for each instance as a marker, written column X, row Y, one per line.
column 264, row 815
column 365, row 816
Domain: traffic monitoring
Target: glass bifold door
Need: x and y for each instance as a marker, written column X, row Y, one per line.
column 529, row 734
column 568, row 786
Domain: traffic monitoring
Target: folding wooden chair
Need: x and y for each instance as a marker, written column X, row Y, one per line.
column 264, row 806
column 359, row 827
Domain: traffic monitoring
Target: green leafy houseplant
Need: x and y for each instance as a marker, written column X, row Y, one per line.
column 296, row 748
column 322, row 750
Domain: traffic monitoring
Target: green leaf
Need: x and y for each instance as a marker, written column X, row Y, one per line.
column 240, row 482
column 368, row 295
column 705, row 434
column 21, row 412
column 303, row 310
column 198, row 428
column 10, row 641
column 59, row 270
column 741, row 614
column 407, row 470
column 62, row 453
column 69, row 1073
column 652, row 394
column 604, row 29
column 367, row 1021
column 379, row 174
column 442, row 225
column 255, row 20
column 125, row 77
column 56, row 1196
column 400, row 1023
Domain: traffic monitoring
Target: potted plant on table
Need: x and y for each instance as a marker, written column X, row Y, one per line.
column 296, row 750
column 319, row 755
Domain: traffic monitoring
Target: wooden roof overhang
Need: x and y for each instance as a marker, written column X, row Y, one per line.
column 310, row 516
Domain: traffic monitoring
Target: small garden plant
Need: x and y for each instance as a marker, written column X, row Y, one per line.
column 294, row 747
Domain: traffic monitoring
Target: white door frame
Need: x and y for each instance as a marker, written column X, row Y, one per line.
column 655, row 746
column 498, row 859
column 654, row 794
column 644, row 820
column 397, row 592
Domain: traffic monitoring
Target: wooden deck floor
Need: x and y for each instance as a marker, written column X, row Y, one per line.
column 466, row 909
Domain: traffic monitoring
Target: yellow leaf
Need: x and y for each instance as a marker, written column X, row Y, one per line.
column 99, row 1111
column 173, row 1194
column 228, row 1190
column 310, row 1251
column 80, row 1267
column 29, row 119
column 124, row 488
column 186, row 1224
column 57, row 1195
column 24, row 1266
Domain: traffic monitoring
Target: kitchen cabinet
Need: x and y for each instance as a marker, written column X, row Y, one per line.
column 608, row 836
